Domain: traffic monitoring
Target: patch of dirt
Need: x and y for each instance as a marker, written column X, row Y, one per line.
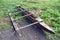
column 36, row 11
column 4, row 23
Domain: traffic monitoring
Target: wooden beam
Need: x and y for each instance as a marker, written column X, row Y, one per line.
column 34, row 18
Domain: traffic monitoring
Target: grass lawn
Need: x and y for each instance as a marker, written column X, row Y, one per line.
column 50, row 14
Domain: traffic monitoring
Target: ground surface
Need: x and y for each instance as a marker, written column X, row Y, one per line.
column 29, row 33
column 50, row 8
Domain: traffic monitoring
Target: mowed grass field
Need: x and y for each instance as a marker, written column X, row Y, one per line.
column 50, row 14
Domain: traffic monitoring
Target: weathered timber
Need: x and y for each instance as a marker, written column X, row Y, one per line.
column 34, row 18
column 14, row 24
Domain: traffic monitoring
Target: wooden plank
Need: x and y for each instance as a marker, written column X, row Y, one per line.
column 34, row 18
column 14, row 24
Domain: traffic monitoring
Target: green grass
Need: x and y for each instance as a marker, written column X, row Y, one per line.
column 4, row 26
column 51, row 8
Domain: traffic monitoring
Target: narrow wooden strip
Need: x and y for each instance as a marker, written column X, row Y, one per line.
column 14, row 24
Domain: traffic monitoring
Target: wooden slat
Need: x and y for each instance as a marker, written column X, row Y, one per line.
column 14, row 24
column 34, row 18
